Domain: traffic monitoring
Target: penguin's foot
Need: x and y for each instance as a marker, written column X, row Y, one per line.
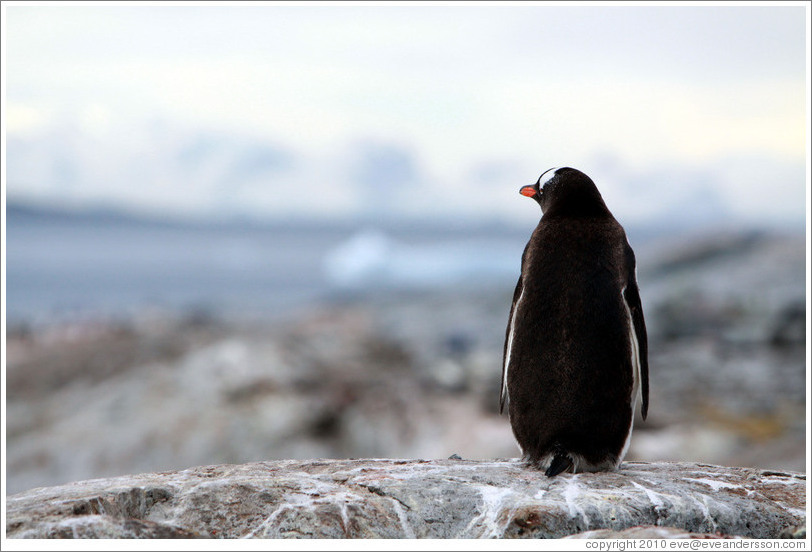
column 553, row 463
column 561, row 462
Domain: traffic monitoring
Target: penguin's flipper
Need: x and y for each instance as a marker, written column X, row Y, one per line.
column 561, row 463
column 509, row 341
column 632, row 297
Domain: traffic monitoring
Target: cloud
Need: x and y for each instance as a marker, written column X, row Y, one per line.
column 307, row 110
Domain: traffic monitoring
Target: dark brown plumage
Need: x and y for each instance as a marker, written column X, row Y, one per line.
column 575, row 357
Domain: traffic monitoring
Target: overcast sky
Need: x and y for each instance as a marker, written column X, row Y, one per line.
column 433, row 110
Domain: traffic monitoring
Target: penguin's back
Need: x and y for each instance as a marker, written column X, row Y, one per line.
column 570, row 382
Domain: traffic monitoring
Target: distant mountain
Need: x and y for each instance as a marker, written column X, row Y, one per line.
column 19, row 212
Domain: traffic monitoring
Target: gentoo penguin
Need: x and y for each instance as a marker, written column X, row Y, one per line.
column 575, row 360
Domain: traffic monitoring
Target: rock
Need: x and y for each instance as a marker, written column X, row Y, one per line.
column 647, row 532
column 789, row 326
column 793, row 533
column 414, row 499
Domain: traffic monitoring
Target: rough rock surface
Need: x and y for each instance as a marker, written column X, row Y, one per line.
column 648, row 532
column 411, row 499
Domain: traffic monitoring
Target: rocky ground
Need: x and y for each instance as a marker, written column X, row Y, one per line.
column 418, row 499
column 412, row 375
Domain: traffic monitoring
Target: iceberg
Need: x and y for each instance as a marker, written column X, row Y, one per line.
column 372, row 260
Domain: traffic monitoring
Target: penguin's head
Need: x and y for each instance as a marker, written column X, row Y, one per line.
column 567, row 190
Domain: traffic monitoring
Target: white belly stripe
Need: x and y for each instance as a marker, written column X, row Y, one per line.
column 636, row 389
column 635, row 347
column 510, row 343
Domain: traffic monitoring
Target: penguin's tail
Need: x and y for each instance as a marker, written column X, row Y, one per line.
column 561, row 462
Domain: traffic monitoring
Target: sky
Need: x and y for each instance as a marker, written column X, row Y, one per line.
column 440, row 111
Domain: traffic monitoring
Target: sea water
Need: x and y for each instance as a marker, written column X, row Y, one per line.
column 68, row 266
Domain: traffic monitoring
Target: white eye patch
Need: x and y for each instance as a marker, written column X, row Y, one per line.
column 546, row 176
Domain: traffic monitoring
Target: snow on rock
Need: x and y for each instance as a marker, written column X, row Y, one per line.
column 377, row 498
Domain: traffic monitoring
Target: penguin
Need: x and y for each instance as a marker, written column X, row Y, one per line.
column 575, row 361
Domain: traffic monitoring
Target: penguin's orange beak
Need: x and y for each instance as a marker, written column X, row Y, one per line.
column 528, row 191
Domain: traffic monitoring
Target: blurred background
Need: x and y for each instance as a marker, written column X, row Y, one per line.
column 238, row 233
